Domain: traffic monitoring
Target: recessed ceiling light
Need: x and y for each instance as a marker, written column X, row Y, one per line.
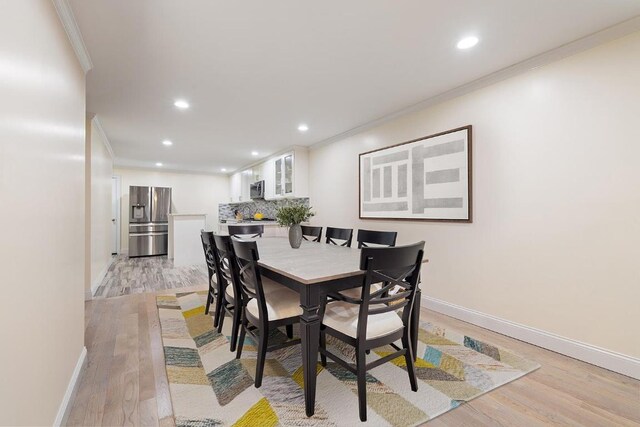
column 467, row 42
column 167, row 142
column 303, row 127
column 254, row 153
column 223, row 169
column 158, row 164
column 181, row 104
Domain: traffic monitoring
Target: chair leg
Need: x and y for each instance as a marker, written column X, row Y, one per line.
column 323, row 345
column 219, row 301
column 220, row 313
column 289, row 331
column 206, row 309
column 361, row 367
column 408, row 357
column 243, row 333
column 262, row 354
column 236, row 319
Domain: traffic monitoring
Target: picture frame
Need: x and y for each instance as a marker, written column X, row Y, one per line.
column 425, row 179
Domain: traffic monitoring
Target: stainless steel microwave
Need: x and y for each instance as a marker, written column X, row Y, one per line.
column 257, row 190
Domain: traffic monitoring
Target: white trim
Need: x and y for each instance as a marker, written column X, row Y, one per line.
column 95, row 122
column 120, row 163
column 72, row 388
column 65, row 13
column 608, row 34
column 598, row 356
column 95, row 284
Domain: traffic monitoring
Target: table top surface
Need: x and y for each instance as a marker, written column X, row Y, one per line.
column 313, row 262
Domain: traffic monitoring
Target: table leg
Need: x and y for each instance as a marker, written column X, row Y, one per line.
column 415, row 323
column 310, row 337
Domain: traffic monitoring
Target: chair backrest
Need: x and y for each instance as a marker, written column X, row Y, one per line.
column 246, row 230
column 345, row 234
column 226, row 260
column 371, row 237
column 209, row 252
column 314, row 232
column 394, row 266
column 248, row 273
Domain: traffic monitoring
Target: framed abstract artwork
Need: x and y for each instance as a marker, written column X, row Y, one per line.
column 426, row 179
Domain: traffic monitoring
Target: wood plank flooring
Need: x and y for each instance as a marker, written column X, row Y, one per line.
column 128, row 276
column 125, row 380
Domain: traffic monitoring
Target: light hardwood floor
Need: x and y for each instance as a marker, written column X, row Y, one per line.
column 125, row 381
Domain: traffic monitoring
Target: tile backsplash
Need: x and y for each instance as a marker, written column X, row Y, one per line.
column 266, row 207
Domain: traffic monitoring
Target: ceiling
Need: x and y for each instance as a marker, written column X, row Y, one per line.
column 254, row 70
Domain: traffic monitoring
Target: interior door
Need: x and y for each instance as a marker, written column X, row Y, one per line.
column 115, row 215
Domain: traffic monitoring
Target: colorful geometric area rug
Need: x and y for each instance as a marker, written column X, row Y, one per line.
column 210, row 387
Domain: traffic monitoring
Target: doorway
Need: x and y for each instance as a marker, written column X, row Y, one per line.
column 115, row 215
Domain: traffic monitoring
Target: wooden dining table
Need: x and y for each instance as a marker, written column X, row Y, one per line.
column 314, row 270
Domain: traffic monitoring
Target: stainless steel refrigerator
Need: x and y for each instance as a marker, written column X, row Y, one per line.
column 149, row 209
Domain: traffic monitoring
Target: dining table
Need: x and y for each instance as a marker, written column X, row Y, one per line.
column 314, row 270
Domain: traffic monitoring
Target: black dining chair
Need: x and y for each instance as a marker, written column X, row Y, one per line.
column 264, row 307
column 334, row 234
column 246, row 230
column 210, row 259
column 367, row 238
column 364, row 239
column 228, row 287
column 371, row 321
column 311, row 234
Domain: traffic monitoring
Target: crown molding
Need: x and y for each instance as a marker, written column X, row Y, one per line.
column 65, row 13
column 95, row 122
column 133, row 165
column 585, row 43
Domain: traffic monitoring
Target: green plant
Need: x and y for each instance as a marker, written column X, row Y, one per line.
column 293, row 213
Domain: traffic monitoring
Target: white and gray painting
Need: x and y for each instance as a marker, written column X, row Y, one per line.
column 425, row 179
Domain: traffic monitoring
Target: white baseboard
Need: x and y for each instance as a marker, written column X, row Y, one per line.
column 97, row 281
column 607, row 359
column 72, row 388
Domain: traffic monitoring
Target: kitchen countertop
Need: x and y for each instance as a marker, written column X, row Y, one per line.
column 233, row 222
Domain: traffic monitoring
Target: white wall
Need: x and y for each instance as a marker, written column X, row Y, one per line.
column 191, row 193
column 554, row 242
column 42, row 139
column 99, row 175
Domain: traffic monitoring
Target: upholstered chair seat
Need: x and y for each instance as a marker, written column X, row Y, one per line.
column 281, row 304
column 343, row 317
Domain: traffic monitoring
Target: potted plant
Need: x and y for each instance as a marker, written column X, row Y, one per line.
column 291, row 215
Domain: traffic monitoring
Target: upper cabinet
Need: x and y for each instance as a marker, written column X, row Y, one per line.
column 240, row 185
column 285, row 175
column 289, row 175
column 235, row 187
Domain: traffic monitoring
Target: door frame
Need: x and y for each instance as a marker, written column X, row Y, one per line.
column 117, row 180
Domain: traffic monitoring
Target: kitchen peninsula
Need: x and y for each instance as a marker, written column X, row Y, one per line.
column 185, row 246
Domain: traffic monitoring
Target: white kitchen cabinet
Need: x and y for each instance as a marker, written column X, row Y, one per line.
column 268, row 174
column 290, row 175
column 240, row 184
column 246, row 181
column 285, row 176
column 235, row 184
